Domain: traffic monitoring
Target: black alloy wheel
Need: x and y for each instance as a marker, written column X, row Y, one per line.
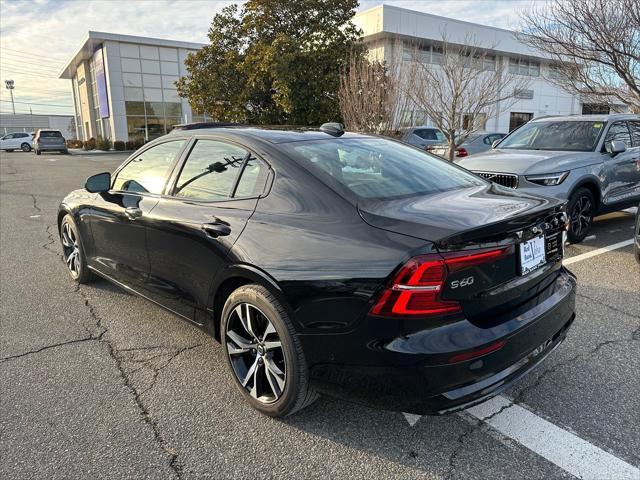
column 72, row 252
column 581, row 209
column 264, row 355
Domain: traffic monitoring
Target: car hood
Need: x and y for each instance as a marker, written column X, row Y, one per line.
column 457, row 216
column 528, row 162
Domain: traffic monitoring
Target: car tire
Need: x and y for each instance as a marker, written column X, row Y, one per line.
column 25, row 147
column 581, row 208
column 73, row 251
column 38, row 152
column 258, row 336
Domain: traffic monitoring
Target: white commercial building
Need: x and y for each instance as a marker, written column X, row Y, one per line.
column 124, row 86
column 385, row 27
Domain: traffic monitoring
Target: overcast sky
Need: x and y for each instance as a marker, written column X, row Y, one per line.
column 38, row 37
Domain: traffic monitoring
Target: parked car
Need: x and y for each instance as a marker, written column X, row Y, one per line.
column 423, row 137
column 49, row 140
column 323, row 267
column 593, row 161
column 16, row 141
column 636, row 243
column 474, row 143
column 477, row 143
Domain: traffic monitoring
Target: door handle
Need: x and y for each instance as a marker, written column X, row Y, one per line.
column 132, row 213
column 216, row 229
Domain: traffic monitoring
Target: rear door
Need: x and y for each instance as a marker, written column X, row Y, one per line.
column 118, row 217
column 622, row 170
column 190, row 231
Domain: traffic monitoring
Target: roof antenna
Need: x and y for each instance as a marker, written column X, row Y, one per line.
column 334, row 129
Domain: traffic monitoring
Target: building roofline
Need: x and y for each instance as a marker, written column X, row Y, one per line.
column 505, row 40
column 384, row 6
column 94, row 37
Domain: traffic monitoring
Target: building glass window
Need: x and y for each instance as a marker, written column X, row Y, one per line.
column 489, row 63
column 595, row 109
column 524, row 67
column 517, row 119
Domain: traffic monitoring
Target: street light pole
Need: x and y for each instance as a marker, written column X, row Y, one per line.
column 10, row 84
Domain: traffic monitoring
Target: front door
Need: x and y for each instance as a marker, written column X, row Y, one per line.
column 191, row 231
column 622, row 171
column 119, row 217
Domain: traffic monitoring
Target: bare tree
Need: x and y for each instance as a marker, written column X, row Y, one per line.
column 459, row 86
column 596, row 44
column 371, row 97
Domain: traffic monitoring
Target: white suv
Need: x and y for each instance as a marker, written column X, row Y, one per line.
column 16, row 141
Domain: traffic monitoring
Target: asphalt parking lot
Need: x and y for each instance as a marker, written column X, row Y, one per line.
column 98, row 383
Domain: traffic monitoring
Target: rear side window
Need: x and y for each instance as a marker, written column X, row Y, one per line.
column 253, row 179
column 429, row 134
column 212, row 168
column 426, row 133
column 149, row 171
column 380, row 169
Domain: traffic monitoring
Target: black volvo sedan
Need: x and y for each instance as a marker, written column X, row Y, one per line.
column 330, row 262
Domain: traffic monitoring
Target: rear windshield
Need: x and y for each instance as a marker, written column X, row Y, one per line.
column 50, row 134
column 376, row 168
column 573, row 136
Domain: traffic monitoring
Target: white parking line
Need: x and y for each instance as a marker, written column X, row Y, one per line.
column 563, row 448
column 599, row 251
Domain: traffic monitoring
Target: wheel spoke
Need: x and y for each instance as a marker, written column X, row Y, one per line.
column 272, row 345
column 245, row 317
column 250, row 373
column 254, row 389
column 66, row 239
column 241, row 344
column 71, row 258
column 268, row 330
column 276, row 381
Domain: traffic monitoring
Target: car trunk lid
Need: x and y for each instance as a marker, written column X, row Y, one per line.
column 490, row 226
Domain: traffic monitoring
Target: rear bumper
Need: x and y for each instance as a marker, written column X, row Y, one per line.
column 410, row 370
column 44, row 148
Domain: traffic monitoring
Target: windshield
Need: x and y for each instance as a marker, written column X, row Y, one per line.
column 376, row 168
column 560, row 135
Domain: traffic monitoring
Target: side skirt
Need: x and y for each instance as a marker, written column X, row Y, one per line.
column 136, row 292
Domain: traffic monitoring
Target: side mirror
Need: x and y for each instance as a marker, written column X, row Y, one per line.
column 616, row 147
column 98, row 183
column 495, row 143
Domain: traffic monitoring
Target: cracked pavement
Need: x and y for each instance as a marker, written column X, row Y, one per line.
column 99, row 383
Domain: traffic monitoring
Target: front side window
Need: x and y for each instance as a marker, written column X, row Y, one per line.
column 380, row 169
column 620, row 132
column 210, row 172
column 149, row 171
column 572, row 136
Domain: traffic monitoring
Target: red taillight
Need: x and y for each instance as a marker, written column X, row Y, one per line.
column 416, row 288
column 461, row 152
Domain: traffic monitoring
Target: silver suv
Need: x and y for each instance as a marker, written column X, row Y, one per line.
column 593, row 161
column 48, row 140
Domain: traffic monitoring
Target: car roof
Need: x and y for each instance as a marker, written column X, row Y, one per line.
column 269, row 134
column 589, row 118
